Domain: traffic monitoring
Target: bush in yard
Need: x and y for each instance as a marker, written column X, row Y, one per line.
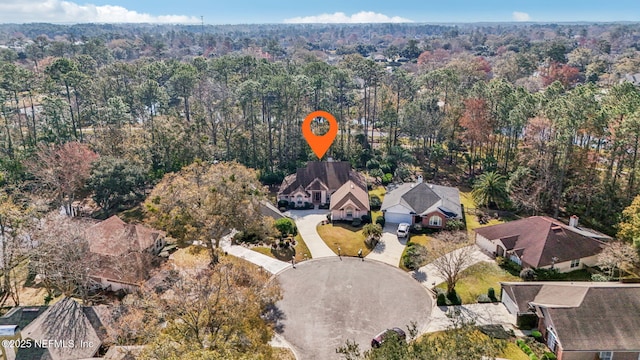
column 375, row 202
column 366, row 219
column 356, row 223
column 528, row 274
column 526, row 349
column 453, row 297
column 381, row 221
column 415, row 256
column 454, row 225
column 441, row 300
column 533, row 356
column 549, row 356
column 286, row 227
column 372, row 233
column 492, row 294
column 283, row 203
column 599, row 278
column 482, row 299
column 520, row 342
column 536, row 335
column 386, row 179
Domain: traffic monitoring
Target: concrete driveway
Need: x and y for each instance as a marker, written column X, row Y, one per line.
column 389, row 249
column 331, row 300
column 306, row 221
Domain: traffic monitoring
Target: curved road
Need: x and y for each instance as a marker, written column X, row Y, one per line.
column 328, row 301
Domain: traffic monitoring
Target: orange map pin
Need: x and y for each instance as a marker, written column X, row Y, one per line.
column 320, row 143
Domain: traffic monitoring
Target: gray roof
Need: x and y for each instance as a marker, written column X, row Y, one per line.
column 66, row 320
column 425, row 198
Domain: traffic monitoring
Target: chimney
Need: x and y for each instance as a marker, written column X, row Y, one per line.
column 573, row 221
column 419, row 181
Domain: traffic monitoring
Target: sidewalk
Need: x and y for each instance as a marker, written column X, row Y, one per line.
column 306, row 221
column 270, row 264
column 389, row 250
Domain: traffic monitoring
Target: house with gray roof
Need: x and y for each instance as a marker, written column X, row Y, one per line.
column 421, row 203
column 581, row 320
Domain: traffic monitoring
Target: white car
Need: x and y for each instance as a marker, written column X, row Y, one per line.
column 403, row 230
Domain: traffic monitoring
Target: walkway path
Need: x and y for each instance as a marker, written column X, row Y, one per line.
column 428, row 275
column 270, row 264
column 389, row 249
column 306, row 221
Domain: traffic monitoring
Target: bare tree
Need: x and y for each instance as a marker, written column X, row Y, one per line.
column 449, row 264
column 62, row 257
column 618, row 256
column 14, row 220
column 63, row 170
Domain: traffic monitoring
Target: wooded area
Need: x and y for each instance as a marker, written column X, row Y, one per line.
column 546, row 107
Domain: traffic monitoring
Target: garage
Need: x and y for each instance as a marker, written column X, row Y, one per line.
column 394, row 217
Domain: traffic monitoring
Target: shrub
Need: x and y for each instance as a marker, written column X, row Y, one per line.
column 356, row 223
column 329, row 217
column 528, row 274
column 371, row 242
column 536, row 334
column 386, row 179
column 441, row 300
column 381, row 221
column 283, row 203
column 374, row 202
column 526, row 349
column 286, row 227
column 366, row 219
column 415, row 256
column 482, row 298
column 527, row 321
column 492, row 294
column 520, row 342
column 454, row 225
column 453, row 297
column 549, row 356
column 533, row 356
column 599, row 278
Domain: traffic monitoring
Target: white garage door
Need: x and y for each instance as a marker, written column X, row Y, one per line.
column 397, row 218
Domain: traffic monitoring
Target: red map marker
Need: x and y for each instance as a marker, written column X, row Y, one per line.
column 320, row 144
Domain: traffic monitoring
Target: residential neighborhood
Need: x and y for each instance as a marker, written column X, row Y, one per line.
column 319, row 180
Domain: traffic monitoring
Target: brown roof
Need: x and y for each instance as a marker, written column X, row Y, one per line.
column 333, row 174
column 115, row 237
column 350, row 191
column 539, row 239
column 586, row 316
column 131, row 268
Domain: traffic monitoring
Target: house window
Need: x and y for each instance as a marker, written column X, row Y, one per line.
column 349, row 213
column 575, row 263
column 606, row 355
column 435, row 221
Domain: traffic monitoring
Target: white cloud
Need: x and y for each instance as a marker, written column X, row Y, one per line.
column 61, row 11
column 520, row 16
column 342, row 18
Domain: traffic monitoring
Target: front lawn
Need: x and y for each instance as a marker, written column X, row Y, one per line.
column 347, row 237
column 300, row 251
column 379, row 192
column 478, row 278
column 472, row 220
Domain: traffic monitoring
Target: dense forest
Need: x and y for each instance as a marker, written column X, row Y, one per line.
column 551, row 113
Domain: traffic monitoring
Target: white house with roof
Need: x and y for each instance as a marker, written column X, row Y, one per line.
column 421, row 203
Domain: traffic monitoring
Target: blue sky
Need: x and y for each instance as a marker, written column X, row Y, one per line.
column 259, row 11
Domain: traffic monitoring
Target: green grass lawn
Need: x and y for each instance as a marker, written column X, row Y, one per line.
column 379, row 192
column 472, row 221
column 347, row 237
column 478, row 278
column 513, row 352
column 300, row 250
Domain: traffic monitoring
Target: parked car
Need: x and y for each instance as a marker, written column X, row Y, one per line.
column 379, row 339
column 403, row 230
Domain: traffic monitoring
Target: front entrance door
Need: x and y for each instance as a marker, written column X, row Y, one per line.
column 317, row 197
